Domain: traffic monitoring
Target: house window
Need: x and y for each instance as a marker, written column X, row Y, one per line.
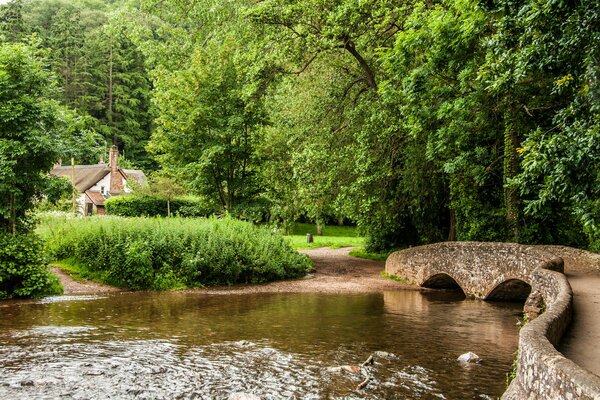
column 89, row 208
column 102, row 189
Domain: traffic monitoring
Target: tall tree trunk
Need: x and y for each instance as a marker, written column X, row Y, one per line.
column 452, row 227
column 511, row 164
column 319, row 228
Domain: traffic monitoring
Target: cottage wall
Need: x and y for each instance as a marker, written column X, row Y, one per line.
column 104, row 182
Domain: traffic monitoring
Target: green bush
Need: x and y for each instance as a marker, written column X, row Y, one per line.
column 23, row 268
column 154, row 206
column 157, row 253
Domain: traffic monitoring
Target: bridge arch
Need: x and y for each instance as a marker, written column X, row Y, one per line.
column 510, row 290
column 441, row 281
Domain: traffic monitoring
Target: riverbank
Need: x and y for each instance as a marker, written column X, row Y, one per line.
column 334, row 272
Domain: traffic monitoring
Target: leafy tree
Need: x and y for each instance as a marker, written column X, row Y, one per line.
column 552, row 48
column 207, row 125
column 12, row 26
column 29, row 142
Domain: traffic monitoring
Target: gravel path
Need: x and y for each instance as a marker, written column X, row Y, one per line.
column 72, row 286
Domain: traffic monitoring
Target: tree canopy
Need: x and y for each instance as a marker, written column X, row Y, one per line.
column 419, row 121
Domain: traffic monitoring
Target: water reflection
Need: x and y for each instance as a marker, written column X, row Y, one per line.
column 176, row 345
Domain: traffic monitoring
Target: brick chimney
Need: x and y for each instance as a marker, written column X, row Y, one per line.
column 116, row 179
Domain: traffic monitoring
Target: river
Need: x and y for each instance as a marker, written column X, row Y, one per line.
column 170, row 345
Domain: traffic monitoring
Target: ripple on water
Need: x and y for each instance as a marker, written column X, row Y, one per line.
column 162, row 369
column 173, row 345
column 60, row 299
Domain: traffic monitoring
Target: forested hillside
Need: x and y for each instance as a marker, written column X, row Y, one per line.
column 417, row 120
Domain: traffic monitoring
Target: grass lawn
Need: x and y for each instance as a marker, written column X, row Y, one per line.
column 333, row 236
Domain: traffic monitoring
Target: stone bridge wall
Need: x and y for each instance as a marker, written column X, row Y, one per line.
column 542, row 372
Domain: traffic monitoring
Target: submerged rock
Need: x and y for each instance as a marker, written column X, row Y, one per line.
column 385, row 355
column 469, row 357
column 354, row 369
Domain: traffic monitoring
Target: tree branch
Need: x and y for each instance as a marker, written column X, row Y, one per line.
column 370, row 75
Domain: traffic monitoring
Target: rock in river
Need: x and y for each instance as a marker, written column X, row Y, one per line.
column 469, row 357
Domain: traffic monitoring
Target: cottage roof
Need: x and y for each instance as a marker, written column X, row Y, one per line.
column 86, row 176
column 137, row 175
column 96, row 197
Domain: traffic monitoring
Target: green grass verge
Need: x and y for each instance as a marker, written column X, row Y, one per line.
column 78, row 272
column 393, row 277
column 362, row 253
column 333, row 236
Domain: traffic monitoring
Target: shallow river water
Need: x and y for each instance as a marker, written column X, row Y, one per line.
column 279, row 346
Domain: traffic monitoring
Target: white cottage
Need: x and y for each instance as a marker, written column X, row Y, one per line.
column 96, row 183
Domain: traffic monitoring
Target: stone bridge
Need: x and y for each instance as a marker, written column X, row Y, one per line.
column 490, row 271
column 507, row 271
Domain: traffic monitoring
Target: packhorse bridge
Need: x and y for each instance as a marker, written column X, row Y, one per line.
column 509, row 271
column 489, row 271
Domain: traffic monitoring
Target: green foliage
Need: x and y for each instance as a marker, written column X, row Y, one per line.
column 153, row 206
column 23, row 268
column 12, row 26
column 512, row 374
column 419, row 121
column 207, row 125
column 101, row 74
column 141, row 253
column 29, row 141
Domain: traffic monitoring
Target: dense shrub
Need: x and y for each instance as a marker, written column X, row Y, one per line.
column 157, row 253
column 155, row 206
column 23, row 270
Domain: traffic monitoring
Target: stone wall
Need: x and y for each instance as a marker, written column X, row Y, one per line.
column 543, row 372
column 479, row 269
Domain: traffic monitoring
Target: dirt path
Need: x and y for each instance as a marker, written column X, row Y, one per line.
column 580, row 342
column 72, row 286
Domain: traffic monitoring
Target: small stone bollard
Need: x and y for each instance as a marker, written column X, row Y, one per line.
column 309, row 238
